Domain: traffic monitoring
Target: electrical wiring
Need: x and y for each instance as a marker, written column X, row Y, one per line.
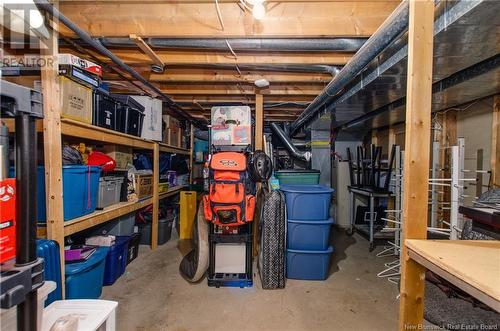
column 219, row 15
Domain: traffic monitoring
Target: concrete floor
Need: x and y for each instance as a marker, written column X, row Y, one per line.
column 153, row 296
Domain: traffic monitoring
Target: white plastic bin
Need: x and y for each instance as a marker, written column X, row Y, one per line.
column 92, row 314
column 9, row 316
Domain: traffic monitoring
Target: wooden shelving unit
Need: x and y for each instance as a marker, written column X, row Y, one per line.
column 53, row 129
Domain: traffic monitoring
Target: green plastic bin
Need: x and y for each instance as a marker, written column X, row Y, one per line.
column 298, row 177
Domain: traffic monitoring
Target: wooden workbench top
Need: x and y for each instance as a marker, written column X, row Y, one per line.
column 472, row 265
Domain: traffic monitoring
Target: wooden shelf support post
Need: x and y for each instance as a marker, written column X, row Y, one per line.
column 259, row 131
column 52, row 142
column 495, row 142
column 156, row 198
column 417, row 156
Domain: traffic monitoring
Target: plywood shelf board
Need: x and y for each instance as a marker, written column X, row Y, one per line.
column 77, row 129
column 165, row 148
column 171, row 191
column 103, row 216
column 472, row 265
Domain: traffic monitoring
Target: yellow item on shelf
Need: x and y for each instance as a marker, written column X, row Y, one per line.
column 187, row 214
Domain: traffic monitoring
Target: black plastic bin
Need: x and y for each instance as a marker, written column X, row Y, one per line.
column 104, row 109
column 133, row 247
column 129, row 115
column 164, row 231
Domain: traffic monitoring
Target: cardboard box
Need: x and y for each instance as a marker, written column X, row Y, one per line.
column 70, row 59
column 122, row 155
column 231, row 125
column 152, row 123
column 143, row 185
column 173, row 132
column 76, row 100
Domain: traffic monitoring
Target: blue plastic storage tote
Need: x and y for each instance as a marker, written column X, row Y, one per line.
column 307, row 202
column 49, row 251
column 116, row 261
column 84, row 279
column 308, row 265
column 80, row 186
column 309, row 235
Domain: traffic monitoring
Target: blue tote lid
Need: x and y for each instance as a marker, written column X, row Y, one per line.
column 311, row 189
column 78, row 267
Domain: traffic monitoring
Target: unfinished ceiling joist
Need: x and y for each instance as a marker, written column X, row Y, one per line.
column 283, row 19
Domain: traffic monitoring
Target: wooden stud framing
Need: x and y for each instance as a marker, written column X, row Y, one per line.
column 156, row 181
column 191, row 152
column 146, row 49
column 495, row 142
column 52, row 142
column 417, row 154
column 259, row 131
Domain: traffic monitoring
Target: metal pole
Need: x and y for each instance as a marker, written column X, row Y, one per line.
column 26, row 211
column 454, row 191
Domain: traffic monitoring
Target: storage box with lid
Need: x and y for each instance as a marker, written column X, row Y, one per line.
column 76, row 100
column 84, row 279
column 116, row 260
column 104, row 109
column 129, row 116
column 316, row 197
column 152, row 123
column 110, row 188
column 173, row 132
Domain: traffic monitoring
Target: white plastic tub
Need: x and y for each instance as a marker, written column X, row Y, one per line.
column 9, row 316
column 92, row 314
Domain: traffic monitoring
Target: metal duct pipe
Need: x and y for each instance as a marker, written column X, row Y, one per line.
column 392, row 27
column 44, row 5
column 247, row 44
column 294, row 151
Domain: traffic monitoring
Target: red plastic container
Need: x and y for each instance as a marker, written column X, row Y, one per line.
column 7, row 219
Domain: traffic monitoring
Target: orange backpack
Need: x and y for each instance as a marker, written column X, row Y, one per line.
column 227, row 202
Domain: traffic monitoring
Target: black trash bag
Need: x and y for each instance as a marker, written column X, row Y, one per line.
column 194, row 265
column 71, row 156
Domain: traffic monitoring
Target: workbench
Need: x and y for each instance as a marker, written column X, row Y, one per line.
column 471, row 265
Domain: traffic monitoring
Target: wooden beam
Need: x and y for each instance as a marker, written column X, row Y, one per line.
column 179, row 19
column 228, row 76
column 140, row 61
column 242, row 98
column 222, row 89
column 259, row 131
column 146, row 49
column 156, row 201
column 495, row 142
column 417, row 156
column 52, row 145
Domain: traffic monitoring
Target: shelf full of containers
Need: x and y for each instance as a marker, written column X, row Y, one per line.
column 110, row 161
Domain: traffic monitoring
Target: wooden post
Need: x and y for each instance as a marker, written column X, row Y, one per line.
column 191, row 153
column 416, row 163
column 156, row 182
column 52, row 141
column 495, row 142
column 374, row 137
column 259, row 131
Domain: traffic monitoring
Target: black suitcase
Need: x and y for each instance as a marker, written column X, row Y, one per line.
column 272, row 258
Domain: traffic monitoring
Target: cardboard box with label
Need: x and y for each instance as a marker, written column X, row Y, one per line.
column 76, row 100
column 231, row 125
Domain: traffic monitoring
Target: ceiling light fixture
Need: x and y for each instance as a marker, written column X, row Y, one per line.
column 258, row 11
